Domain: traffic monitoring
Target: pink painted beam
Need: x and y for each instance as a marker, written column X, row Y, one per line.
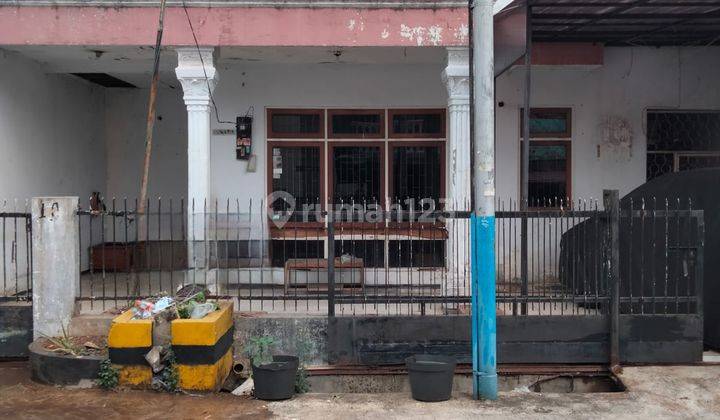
column 234, row 26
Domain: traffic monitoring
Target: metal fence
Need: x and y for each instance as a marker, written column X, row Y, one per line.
column 16, row 252
column 552, row 259
column 544, row 268
column 385, row 261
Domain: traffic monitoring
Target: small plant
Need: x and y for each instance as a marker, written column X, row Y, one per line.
column 65, row 344
column 304, row 348
column 302, row 385
column 170, row 376
column 258, row 350
column 108, row 376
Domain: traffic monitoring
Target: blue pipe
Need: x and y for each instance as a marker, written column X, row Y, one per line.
column 484, row 325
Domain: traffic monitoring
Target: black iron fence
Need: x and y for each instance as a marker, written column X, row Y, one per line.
column 552, row 259
column 15, row 252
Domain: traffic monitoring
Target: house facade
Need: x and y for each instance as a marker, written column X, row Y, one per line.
column 266, row 109
column 341, row 103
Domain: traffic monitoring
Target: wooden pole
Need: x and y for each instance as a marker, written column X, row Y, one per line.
column 151, row 114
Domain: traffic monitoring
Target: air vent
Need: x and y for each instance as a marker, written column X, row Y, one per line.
column 104, row 79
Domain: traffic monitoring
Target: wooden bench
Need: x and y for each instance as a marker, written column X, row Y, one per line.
column 321, row 265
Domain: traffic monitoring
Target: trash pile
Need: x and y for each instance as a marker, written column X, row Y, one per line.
column 189, row 303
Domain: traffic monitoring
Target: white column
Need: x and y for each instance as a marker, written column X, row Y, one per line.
column 457, row 80
column 197, row 75
column 56, row 268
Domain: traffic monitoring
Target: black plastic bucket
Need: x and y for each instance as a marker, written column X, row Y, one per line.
column 276, row 380
column 431, row 377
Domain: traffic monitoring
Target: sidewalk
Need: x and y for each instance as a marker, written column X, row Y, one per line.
column 653, row 392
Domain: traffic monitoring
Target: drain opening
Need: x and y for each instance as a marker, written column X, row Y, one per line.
column 579, row 384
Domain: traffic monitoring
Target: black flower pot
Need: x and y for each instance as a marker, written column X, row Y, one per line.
column 276, row 380
column 431, row 377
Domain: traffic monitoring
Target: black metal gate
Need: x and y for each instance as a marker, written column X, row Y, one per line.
column 16, row 251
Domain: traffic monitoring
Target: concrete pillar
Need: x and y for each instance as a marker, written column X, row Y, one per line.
column 197, row 75
column 56, row 269
column 457, row 80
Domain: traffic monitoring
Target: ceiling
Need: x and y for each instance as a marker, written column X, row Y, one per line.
column 626, row 22
column 134, row 64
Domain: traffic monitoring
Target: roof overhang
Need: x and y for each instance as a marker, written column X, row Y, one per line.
column 626, row 22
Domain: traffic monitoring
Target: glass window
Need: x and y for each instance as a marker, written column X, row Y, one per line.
column 295, row 123
column 417, row 123
column 548, row 122
column 416, row 175
column 549, row 172
column 356, row 123
column 357, row 174
column 297, row 171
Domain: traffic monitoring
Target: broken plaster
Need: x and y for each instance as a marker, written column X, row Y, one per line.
column 420, row 34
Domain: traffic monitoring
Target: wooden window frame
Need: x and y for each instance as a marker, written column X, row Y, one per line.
column 331, row 166
column 567, row 134
column 320, row 145
column 332, row 112
column 302, row 111
column 440, row 111
column 568, row 165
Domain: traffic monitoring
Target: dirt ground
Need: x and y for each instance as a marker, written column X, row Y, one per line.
column 654, row 392
column 22, row 398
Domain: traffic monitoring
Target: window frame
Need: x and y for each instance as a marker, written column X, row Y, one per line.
column 567, row 134
column 392, row 145
column 392, row 112
column 271, row 134
column 331, row 112
column 568, row 166
column 320, row 145
column 331, row 166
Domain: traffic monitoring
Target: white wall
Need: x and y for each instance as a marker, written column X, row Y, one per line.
column 51, row 132
column 631, row 81
column 51, row 143
column 240, row 87
column 125, row 118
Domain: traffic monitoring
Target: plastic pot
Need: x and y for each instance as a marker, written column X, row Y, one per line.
column 276, row 380
column 431, row 377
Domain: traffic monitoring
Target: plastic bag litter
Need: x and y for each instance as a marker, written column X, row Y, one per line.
column 200, row 310
column 142, row 309
column 162, row 304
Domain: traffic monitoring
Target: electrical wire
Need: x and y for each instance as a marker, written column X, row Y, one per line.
column 202, row 62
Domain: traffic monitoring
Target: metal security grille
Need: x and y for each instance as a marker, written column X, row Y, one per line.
column 416, row 175
column 296, row 171
column 682, row 140
column 356, row 174
column 16, row 253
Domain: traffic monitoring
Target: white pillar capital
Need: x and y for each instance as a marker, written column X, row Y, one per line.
column 457, row 76
column 197, row 75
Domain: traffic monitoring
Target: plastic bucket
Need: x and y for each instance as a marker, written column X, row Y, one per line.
column 276, row 380
column 431, row 377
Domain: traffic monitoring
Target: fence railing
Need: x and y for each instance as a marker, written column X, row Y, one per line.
column 553, row 259
column 15, row 253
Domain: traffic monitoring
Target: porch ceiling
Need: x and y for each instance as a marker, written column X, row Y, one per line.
column 134, row 64
column 627, row 22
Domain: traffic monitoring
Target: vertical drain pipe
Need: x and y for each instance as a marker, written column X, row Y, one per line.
column 483, row 216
